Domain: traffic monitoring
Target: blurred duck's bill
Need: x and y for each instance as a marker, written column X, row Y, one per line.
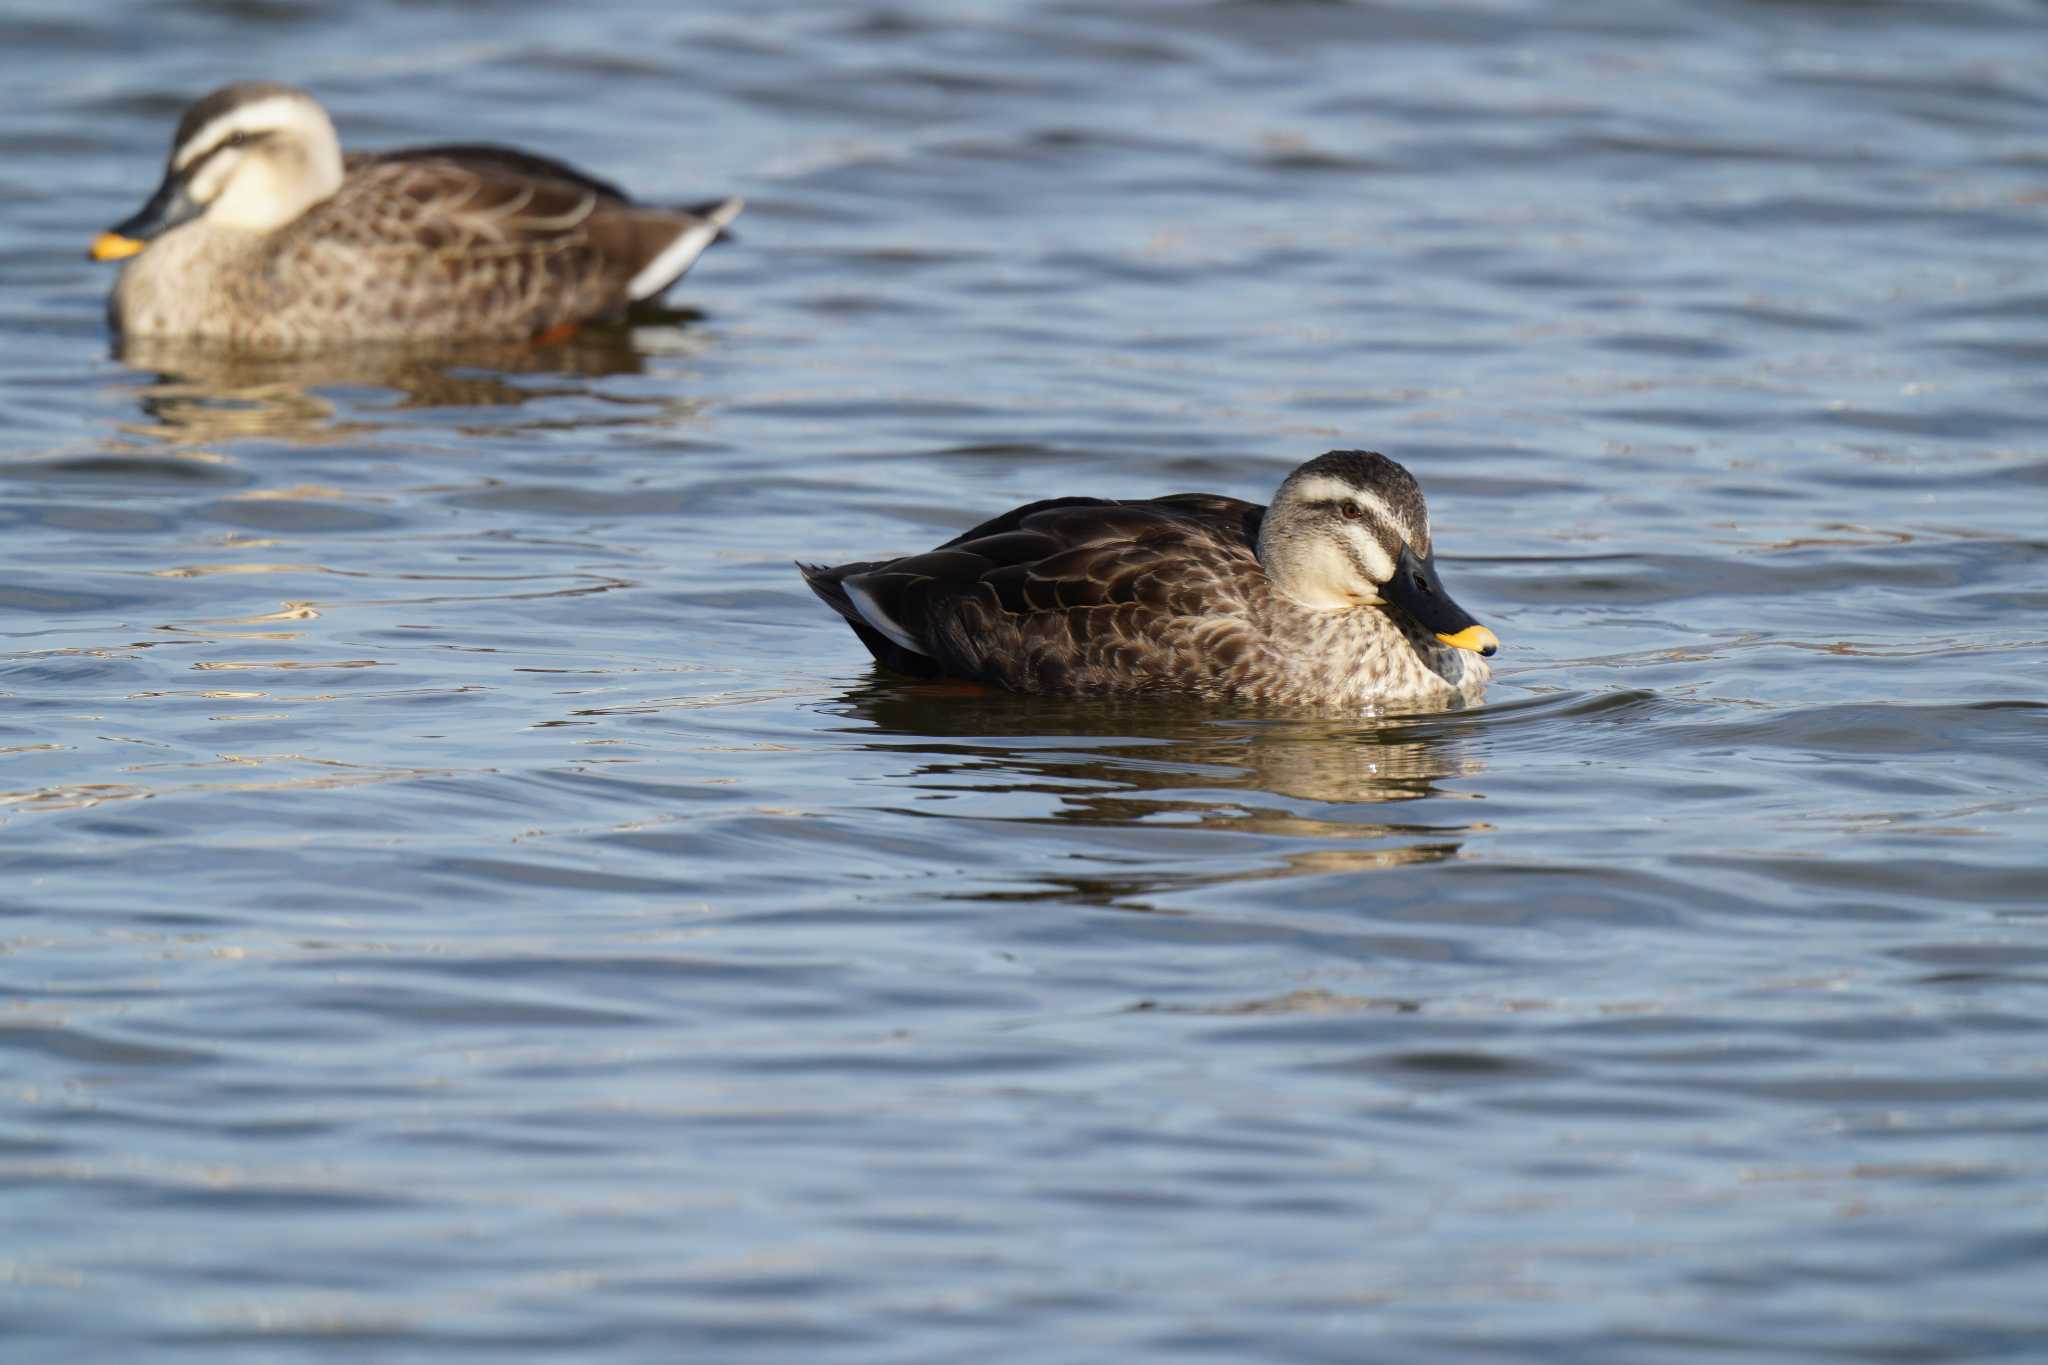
column 112, row 246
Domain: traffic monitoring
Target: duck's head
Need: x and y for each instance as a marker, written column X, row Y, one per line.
column 252, row 156
column 1349, row 529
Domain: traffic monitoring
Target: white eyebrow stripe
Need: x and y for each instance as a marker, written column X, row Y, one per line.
column 1326, row 488
column 259, row 116
column 1374, row 503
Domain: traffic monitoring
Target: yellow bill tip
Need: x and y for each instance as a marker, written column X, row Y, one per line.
column 112, row 246
column 1478, row 639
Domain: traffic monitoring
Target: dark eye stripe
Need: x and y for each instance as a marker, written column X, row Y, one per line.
column 1385, row 532
column 238, row 138
column 1357, row 560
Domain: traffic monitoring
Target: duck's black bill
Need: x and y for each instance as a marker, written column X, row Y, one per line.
column 170, row 206
column 1416, row 590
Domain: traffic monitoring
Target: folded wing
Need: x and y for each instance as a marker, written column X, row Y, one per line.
column 1072, row 595
column 506, row 239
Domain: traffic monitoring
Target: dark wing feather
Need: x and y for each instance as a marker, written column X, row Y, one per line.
column 1069, row 595
column 1229, row 516
column 1011, row 520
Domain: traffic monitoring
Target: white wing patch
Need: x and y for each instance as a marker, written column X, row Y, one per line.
column 872, row 613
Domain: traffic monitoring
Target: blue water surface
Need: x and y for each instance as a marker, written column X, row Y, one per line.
column 461, row 897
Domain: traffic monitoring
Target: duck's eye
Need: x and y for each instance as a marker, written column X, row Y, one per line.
column 1351, row 510
column 237, row 140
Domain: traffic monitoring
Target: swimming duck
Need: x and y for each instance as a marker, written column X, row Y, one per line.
column 1328, row 597
column 264, row 233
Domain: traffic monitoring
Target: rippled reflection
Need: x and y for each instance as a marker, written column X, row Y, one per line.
column 1121, row 762
column 207, row 393
column 1285, row 777
column 278, row 773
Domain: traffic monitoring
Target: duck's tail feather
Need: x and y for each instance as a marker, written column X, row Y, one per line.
column 697, row 229
column 829, row 583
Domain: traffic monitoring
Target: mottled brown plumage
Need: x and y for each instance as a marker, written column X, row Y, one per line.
column 263, row 233
column 1195, row 593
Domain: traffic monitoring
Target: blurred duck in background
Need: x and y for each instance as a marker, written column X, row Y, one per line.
column 265, row 233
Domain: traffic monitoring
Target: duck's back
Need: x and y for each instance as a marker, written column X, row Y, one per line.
column 1077, row 596
column 465, row 241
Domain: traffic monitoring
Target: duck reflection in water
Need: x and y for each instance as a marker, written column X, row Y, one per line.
column 1126, row 762
column 204, row 393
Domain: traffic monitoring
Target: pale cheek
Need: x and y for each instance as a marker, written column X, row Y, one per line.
column 211, row 180
column 1334, row 580
column 1374, row 557
column 252, row 198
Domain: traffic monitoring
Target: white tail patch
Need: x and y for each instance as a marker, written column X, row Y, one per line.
column 680, row 254
column 871, row 612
